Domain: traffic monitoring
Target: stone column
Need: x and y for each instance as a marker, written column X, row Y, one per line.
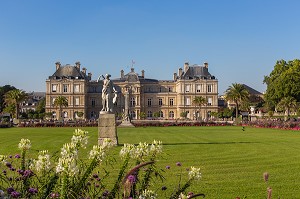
column 107, row 128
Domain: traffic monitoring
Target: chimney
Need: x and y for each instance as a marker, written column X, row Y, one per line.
column 205, row 64
column 84, row 70
column 77, row 65
column 122, row 73
column 143, row 73
column 57, row 65
column 186, row 66
column 174, row 76
column 90, row 76
column 132, row 69
column 180, row 72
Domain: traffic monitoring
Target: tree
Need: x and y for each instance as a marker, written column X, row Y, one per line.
column 3, row 90
column 238, row 94
column 199, row 101
column 143, row 115
column 60, row 102
column 183, row 114
column 287, row 104
column 15, row 97
column 282, row 82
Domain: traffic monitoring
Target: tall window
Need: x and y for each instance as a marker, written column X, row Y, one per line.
column 198, row 88
column 76, row 88
column 54, row 87
column 76, row 101
column 209, row 101
column 65, row 114
column 93, row 115
column 65, row 88
column 149, row 114
column 187, row 88
column 132, row 102
column 187, row 101
column 170, row 89
column 53, row 99
column 171, row 114
column 171, row 102
column 149, row 102
column 93, row 102
column 132, row 114
column 209, row 88
column 160, row 102
column 161, row 114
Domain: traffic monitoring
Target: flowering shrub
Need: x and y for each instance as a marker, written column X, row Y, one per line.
column 68, row 176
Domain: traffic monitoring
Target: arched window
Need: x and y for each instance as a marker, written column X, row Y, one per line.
column 171, row 114
column 149, row 114
column 161, row 114
column 93, row 115
column 132, row 115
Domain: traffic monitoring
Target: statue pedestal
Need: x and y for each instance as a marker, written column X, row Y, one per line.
column 126, row 124
column 107, row 128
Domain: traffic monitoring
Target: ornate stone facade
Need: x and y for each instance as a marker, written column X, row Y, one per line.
column 164, row 99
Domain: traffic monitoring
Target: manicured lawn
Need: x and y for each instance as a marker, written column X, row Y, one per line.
column 232, row 161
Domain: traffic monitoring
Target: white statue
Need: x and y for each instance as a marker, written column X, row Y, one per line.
column 109, row 94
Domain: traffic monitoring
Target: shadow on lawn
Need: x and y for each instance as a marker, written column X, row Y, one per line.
column 189, row 143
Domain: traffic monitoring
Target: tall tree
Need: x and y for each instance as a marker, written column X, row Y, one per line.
column 287, row 104
column 238, row 94
column 3, row 90
column 60, row 102
column 283, row 81
column 199, row 101
column 15, row 97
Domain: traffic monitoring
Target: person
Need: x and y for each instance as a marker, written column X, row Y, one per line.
column 109, row 94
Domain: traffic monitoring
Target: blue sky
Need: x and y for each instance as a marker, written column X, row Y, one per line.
column 240, row 39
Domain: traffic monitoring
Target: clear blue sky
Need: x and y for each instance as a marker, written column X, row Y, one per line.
column 240, row 39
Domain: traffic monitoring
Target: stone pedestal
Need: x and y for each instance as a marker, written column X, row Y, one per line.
column 107, row 127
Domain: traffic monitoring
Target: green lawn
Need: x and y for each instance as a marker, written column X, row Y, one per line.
column 232, row 161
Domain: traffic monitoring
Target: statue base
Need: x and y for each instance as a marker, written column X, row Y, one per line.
column 126, row 124
column 107, row 127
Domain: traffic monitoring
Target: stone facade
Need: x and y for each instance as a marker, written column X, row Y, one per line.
column 164, row 99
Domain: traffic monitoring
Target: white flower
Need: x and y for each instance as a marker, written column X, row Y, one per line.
column 182, row 196
column 195, row 173
column 67, row 166
column 24, row 144
column 69, row 150
column 42, row 163
column 156, row 147
column 97, row 152
column 126, row 150
column 140, row 151
column 80, row 138
column 107, row 143
column 3, row 159
column 148, row 194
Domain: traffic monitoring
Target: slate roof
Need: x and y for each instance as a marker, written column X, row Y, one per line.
column 252, row 91
column 68, row 71
column 197, row 71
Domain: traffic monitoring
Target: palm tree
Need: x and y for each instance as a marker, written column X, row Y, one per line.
column 287, row 104
column 199, row 101
column 238, row 94
column 59, row 102
column 15, row 97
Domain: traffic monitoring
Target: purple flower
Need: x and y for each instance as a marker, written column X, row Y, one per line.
column 168, row 167
column 27, row 173
column 10, row 156
column 178, row 164
column 95, row 176
column 10, row 190
column 32, row 191
column 20, row 171
column 15, row 194
column 131, row 179
column 54, row 195
column 163, row 188
column 4, row 172
column 8, row 164
column 17, row 156
column 97, row 185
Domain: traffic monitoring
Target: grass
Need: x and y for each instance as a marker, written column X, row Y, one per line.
column 232, row 161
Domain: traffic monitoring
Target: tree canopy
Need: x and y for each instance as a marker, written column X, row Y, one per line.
column 283, row 81
column 238, row 94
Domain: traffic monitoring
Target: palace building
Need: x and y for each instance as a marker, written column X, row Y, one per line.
column 163, row 99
